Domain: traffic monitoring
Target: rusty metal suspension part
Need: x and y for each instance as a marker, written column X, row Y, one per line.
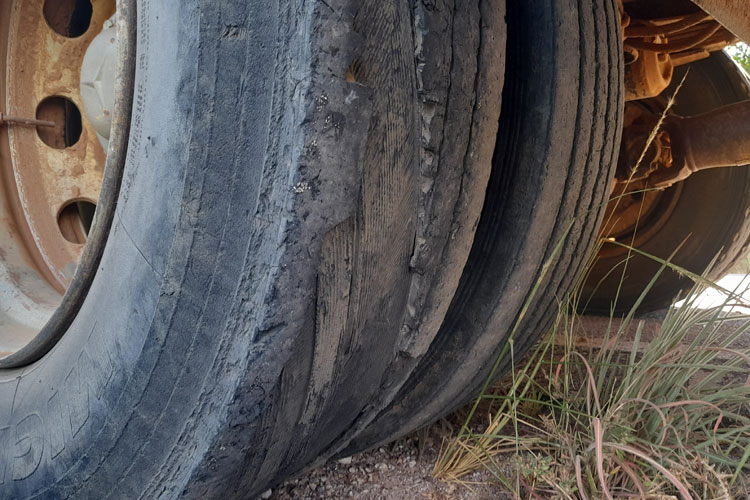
column 654, row 47
column 719, row 138
column 683, row 146
column 733, row 14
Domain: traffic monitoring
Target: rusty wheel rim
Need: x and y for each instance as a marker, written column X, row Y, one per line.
column 48, row 174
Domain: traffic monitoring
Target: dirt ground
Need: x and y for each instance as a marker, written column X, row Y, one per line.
column 394, row 472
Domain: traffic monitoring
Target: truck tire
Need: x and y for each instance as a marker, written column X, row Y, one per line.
column 702, row 220
column 549, row 183
column 297, row 256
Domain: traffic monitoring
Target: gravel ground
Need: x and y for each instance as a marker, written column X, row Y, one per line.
column 395, row 472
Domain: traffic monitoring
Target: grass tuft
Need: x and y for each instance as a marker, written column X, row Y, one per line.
column 667, row 418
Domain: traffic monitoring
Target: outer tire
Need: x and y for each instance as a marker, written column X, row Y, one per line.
column 297, row 220
column 300, row 195
column 705, row 216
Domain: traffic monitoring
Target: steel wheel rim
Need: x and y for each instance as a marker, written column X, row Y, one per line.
column 57, row 315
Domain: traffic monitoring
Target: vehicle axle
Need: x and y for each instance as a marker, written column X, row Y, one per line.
column 719, row 138
column 683, row 145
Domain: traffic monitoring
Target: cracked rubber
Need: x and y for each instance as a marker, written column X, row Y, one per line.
column 321, row 238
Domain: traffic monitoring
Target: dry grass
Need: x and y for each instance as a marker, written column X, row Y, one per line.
column 668, row 420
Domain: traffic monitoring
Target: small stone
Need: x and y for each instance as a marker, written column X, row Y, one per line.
column 266, row 494
column 345, row 460
column 412, row 463
column 301, row 187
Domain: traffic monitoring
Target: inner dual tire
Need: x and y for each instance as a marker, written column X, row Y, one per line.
column 326, row 228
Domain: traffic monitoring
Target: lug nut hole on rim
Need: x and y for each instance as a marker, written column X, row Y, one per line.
column 75, row 220
column 67, row 118
column 53, row 161
column 69, row 18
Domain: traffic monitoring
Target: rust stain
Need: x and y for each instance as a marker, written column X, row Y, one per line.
column 46, row 64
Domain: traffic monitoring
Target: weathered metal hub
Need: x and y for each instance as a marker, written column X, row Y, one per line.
column 98, row 81
column 51, row 162
column 645, row 147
